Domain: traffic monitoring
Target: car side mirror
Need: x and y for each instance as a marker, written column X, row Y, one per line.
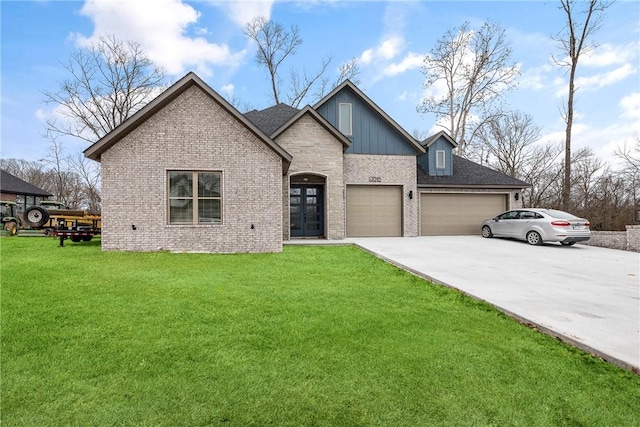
column 496, row 219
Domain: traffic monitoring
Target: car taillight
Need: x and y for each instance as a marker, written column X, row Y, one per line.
column 561, row 223
column 587, row 224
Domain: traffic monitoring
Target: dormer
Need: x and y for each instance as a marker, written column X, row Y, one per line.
column 438, row 160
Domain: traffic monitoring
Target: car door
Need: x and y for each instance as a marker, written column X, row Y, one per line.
column 503, row 223
column 523, row 224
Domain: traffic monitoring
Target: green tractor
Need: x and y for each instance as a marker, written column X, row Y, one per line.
column 10, row 219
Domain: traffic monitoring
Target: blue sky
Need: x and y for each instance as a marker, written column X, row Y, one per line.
column 389, row 38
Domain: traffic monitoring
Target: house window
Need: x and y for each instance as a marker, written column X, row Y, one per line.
column 344, row 119
column 194, row 197
column 20, row 202
column 441, row 159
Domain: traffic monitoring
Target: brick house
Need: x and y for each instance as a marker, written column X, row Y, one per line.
column 188, row 172
column 24, row 194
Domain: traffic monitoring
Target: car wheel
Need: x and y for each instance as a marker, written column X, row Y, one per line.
column 486, row 231
column 534, row 238
column 567, row 243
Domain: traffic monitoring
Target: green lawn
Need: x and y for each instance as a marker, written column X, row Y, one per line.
column 310, row 337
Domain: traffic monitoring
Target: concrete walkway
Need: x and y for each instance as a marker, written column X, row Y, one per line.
column 587, row 296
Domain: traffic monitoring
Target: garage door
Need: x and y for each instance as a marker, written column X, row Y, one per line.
column 374, row 211
column 452, row 214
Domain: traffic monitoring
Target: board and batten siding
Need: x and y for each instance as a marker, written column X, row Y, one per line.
column 428, row 160
column 371, row 134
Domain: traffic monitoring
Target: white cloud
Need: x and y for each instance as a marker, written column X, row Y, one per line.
column 631, row 106
column 242, row 11
column 607, row 54
column 410, row 61
column 387, row 49
column 605, row 79
column 160, row 26
column 403, row 96
column 535, row 78
column 596, row 81
column 227, row 90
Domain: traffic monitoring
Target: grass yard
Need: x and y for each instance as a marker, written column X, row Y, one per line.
column 314, row 336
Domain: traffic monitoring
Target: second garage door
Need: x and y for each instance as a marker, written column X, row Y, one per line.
column 374, row 211
column 453, row 214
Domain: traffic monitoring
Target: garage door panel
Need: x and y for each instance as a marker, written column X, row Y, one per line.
column 374, row 211
column 457, row 214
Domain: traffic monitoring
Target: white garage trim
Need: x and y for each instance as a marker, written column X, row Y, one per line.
column 458, row 213
column 374, row 211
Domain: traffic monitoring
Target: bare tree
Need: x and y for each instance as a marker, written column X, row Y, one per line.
column 574, row 41
column 542, row 170
column 466, row 73
column 585, row 178
column 88, row 173
column 110, row 80
column 58, row 162
column 275, row 44
column 348, row 70
column 508, row 140
column 34, row 173
column 630, row 156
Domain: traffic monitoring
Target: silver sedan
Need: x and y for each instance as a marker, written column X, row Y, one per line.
column 537, row 226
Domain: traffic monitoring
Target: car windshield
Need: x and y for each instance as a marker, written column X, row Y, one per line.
column 560, row 214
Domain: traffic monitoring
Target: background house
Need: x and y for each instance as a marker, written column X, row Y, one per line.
column 14, row 189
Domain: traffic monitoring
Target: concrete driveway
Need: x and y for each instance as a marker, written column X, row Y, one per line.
column 585, row 295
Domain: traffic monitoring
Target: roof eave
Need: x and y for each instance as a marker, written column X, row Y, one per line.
column 433, row 138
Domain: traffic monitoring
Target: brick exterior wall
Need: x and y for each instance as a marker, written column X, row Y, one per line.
column 191, row 133
column 315, row 151
column 391, row 170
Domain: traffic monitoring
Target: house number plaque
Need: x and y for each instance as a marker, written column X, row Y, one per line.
column 375, row 179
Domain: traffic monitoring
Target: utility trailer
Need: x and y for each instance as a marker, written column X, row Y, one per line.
column 56, row 220
column 76, row 231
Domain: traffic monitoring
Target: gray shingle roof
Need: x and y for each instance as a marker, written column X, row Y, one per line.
column 14, row 185
column 270, row 119
column 469, row 174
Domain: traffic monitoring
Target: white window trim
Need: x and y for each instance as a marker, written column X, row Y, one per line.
column 340, row 125
column 441, row 159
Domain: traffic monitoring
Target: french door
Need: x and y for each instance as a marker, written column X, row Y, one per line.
column 306, row 210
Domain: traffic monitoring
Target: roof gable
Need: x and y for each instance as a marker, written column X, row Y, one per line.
column 13, row 185
column 442, row 134
column 191, row 79
column 347, row 85
column 318, row 118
